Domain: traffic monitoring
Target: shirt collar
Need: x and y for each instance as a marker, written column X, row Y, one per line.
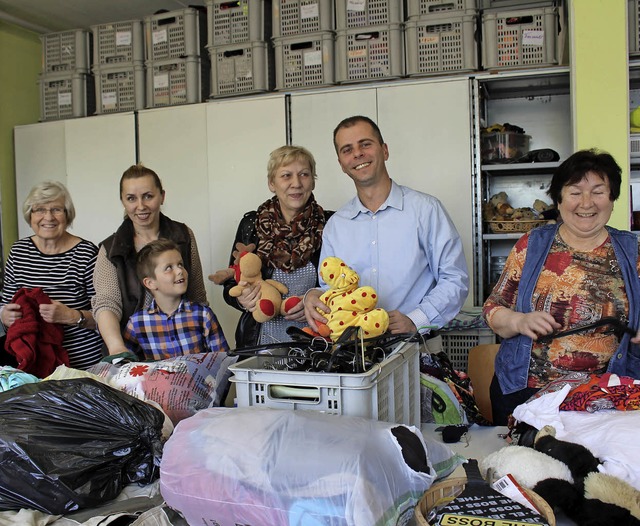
column 394, row 200
column 154, row 309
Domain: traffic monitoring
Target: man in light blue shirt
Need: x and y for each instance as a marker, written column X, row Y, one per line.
column 400, row 241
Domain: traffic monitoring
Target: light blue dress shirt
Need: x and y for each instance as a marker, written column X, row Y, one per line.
column 409, row 251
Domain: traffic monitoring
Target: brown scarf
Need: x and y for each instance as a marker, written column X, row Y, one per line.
column 288, row 246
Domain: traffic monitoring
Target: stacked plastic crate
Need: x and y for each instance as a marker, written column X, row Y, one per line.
column 633, row 19
column 118, row 66
column 522, row 34
column 239, row 46
column 369, row 40
column 303, row 39
column 440, row 36
column 177, row 65
column 65, row 82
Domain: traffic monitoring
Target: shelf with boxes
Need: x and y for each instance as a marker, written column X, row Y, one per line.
column 540, row 103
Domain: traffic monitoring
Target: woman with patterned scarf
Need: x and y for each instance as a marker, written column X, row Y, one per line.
column 287, row 232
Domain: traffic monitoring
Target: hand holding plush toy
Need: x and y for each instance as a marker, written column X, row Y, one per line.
column 350, row 304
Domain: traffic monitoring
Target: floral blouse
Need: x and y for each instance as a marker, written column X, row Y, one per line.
column 576, row 288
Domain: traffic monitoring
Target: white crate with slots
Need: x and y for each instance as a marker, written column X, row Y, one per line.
column 516, row 4
column 373, row 53
column 119, row 88
column 174, row 34
column 456, row 344
column 238, row 21
column 66, row 96
column 172, row 82
column 240, row 69
column 362, row 13
column 296, row 17
column 523, row 37
column 389, row 391
column 441, row 43
column 118, row 43
column 416, row 8
column 66, row 52
column 304, row 61
column 633, row 19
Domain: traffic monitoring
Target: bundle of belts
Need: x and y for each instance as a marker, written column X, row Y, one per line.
column 351, row 353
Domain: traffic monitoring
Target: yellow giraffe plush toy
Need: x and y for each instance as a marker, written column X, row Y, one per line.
column 350, row 304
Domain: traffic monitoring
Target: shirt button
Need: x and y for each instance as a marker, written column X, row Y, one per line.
column 373, row 217
column 373, row 242
column 619, row 356
column 374, row 270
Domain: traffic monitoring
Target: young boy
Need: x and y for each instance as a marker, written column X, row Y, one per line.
column 171, row 325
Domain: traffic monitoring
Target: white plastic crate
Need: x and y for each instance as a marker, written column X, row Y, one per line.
column 240, row 69
column 456, row 344
column 119, row 88
column 441, row 44
column 66, row 51
column 633, row 18
column 174, row 34
column 118, row 43
column 361, row 13
column 390, row 391
column 372, row 53
column 66, row 95
column 634, row 145
column 238, row 21
column 516, row 4
column 296, row 17
column 179, row 81
column 304, row 61
column 417, row 8
column 523, row 37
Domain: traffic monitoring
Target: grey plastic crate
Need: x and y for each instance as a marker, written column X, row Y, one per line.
column 240, row 69
column 441, row 44
column 66, row 96
column 118, row 43
column 633, row 19
column 372, row 53
column 304, row 61
column 351, row 14
column 177, row 81
column 238, row 21
column 119, row 88
column 522, row 37
column 174, row 34
column 295, row 17
column 417, row 8
column 66, row 51
column 517, row 4
column 456, row 344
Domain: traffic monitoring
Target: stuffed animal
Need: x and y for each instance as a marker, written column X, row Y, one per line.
column 566, row 475
column 350, row 304
column 248, row 267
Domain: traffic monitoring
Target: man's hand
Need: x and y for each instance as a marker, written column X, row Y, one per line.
column 311, row 303
column 400, row 324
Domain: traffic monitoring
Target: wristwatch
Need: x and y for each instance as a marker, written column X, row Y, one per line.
column 82, row 322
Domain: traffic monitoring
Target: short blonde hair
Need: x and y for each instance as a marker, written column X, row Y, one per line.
column 286, row 155
column 47, row 192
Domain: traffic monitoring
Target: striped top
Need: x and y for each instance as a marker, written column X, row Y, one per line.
column 65, row 277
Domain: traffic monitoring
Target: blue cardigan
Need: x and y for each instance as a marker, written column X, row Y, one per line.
column 513, row 358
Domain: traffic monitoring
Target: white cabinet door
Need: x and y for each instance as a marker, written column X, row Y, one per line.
column 313, row 119
column 241, row 133
column 98, row 150
column 427, row 127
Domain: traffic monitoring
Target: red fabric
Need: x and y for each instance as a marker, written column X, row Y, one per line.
column 607, row 391
column 36, row 344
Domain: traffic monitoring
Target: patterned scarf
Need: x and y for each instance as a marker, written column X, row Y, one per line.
column 288, row 246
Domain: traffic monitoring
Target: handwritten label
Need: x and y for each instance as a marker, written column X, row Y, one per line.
column 309, row 11
column 159, row 36
column 161, row 81
column 123, row 38
column 532, row 37
column 64, row 99
column 109, row 100
column 356, row 5
column 313, row 58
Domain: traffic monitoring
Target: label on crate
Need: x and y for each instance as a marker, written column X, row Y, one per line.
column 64, row 99
column 159, row 36
column 532, row 37
column 309, row 11
column 356, row 5
column 123, row 38
column 313, row 58
column 109, row 100
column 161, row 81
column 354, row 53
column 431, row 39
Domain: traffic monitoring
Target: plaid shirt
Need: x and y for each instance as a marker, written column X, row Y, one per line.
column 192, row 328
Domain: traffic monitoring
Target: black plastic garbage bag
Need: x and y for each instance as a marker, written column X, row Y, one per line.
column 72, row 444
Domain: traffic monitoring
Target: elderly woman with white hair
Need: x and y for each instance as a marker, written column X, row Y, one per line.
column 59, row 263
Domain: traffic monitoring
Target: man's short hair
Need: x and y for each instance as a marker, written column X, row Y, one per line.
column 352, row 121
column 147, row 258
